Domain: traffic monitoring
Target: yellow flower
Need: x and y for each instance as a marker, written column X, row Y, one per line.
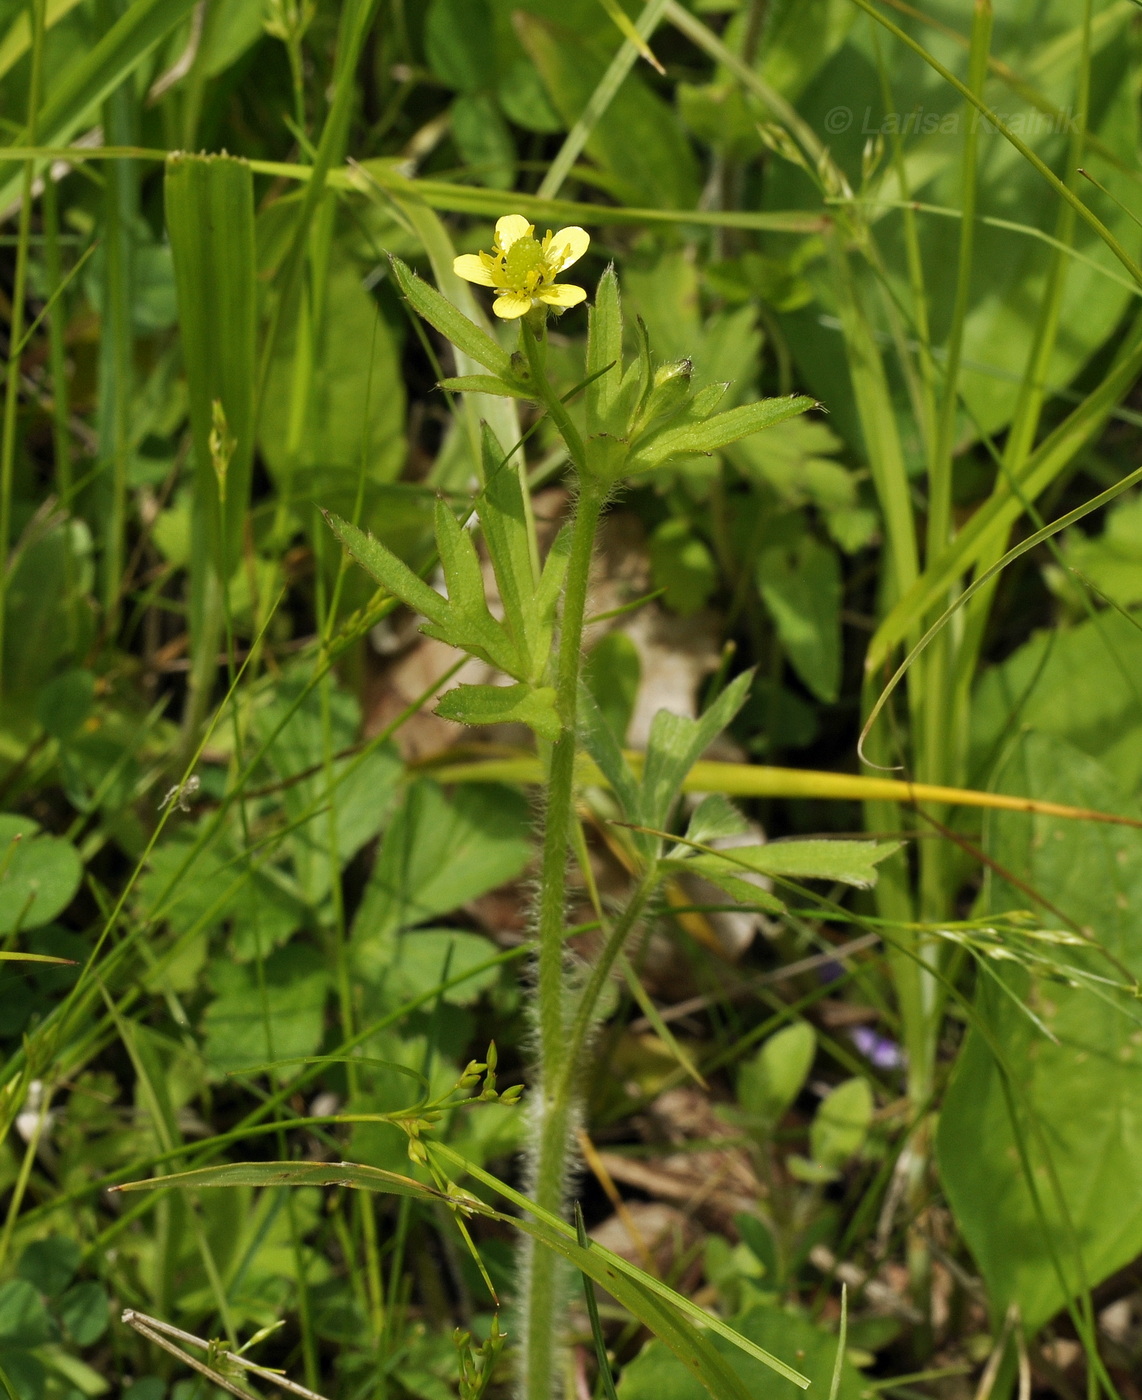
column 523, row 269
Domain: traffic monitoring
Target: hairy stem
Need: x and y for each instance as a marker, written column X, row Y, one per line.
column 551, row 1110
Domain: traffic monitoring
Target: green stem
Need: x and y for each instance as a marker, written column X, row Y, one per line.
column 57, row 351
column 16, row 326
column 551, row 1110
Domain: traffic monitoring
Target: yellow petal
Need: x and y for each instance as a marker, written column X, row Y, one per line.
column 568, row 246
column 469, row 266
column 511, row 228
column 511, row 305
column 563, row 294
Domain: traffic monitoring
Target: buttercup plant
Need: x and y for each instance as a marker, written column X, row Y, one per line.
column 635, row 416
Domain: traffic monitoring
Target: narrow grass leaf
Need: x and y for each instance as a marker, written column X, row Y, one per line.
column 600, row 1340
column 93, row 76
column 265, row 1174
column 210, row 222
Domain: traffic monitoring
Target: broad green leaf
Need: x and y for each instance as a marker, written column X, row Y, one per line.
column 440, row 851
column 847, row 862
column 229, row 31
column 484, row 140
column 438, row 311
column 723, row 428
column 795, row 459
column 39, row 874
column 22, row 1374
column 85, row 1311
column 676, row 743
column 717, row 354
column 800, row 38
column 504, row 704
column 460, row 43
column 354, row 419
column 50, row 1263
column 65, row 702
column 359, row 791
column 48, row 621
column 210, row 223
column 612, row 672
column 524, row 98
column 656, row 1375
column 424, row 955
column 1082, row 684
column 802, row 588
column 841, row 1123
column 24, row 1320
column 770, row 1080
column 278, row 1013
column 1112, row 560
column 681, row 564
column 1079, row 1100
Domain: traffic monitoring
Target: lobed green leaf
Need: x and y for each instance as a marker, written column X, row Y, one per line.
column 714, row 432
column 389, row 571
column 504, row 704
column 438, row 311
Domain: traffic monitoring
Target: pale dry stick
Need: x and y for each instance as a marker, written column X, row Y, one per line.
column 991, row 1370
column 1024, row 1359
column 158, row 1332
column 42, row 1117
column 185, row 61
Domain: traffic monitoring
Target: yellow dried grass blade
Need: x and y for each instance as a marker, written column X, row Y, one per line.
column 754, row 780
column 625, row 24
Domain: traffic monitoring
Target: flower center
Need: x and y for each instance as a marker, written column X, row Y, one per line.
column 524, row 256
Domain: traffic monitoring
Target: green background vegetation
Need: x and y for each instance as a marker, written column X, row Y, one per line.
column 260, row 904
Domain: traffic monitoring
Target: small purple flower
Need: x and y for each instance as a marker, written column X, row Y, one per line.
column 878, row 1049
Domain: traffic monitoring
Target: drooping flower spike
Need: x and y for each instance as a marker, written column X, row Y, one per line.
column 523, row 269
